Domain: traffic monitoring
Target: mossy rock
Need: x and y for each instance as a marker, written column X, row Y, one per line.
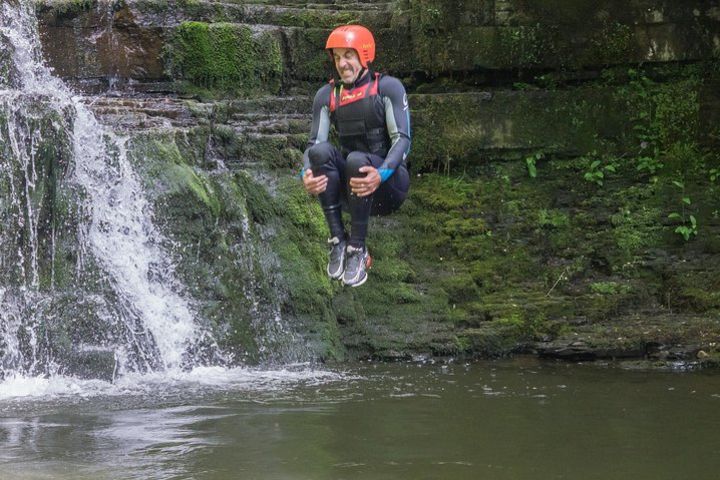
column 226, row 57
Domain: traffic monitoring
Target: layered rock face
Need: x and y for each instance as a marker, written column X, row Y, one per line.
column 564, row 160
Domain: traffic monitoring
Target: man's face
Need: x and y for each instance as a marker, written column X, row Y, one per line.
column 347, row 64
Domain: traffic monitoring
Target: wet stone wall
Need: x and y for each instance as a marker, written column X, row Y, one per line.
column 565, row 168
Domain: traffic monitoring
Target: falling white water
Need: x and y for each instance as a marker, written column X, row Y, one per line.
column 121, row 234
column 126, row 242
column 22, row 145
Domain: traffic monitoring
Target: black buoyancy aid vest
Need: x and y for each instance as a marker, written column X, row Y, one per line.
column 359, row 118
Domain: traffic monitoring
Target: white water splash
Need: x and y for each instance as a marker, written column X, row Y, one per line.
column 121, row 234
column 57, row 387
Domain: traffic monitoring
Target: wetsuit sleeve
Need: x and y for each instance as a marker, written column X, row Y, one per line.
column 397, row 118
column 320, row 129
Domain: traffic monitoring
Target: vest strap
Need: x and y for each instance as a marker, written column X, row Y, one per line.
column 335, row 93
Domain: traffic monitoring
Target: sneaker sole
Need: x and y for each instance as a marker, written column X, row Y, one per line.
column 337, row 276
column 357, row 284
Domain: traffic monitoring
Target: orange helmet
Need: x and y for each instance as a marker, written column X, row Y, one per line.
column 356, row 37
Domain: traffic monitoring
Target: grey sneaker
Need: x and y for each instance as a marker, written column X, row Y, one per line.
column 336, row 264
column 356, row 266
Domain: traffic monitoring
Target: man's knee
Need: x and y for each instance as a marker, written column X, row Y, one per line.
column 320, row 155
column 355, row 161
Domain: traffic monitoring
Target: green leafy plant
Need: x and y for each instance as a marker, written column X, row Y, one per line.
column 649, row 162
column 531, row 163
column 597, row 170
column 688, row 227
column 714, row 174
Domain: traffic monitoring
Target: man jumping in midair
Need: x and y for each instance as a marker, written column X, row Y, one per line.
column 368, row 174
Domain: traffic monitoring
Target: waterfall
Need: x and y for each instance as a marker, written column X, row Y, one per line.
column 123, row 280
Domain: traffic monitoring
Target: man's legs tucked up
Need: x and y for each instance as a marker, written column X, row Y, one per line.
column 325, row 159
column 386, row 199
column 358, row 260
column 360, row 207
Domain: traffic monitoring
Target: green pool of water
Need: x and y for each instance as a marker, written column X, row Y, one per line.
column 515, row 420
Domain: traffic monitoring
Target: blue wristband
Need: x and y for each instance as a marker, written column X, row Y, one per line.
column 385, row 173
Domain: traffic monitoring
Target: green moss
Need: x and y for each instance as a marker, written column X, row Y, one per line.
column 552, row 219
column 465, row 227
column 225, row 57
column 460, row 133
column 697, row 291
column 501, row 246
column 165, row 164
column 317, row 18
column 663, row 116
column 440, row 193
column 202, row 190
column 302, row 248
column 526, row 46
column 635, row 230
column 460, row 288
column 259, row 202
column 309, row 286
column 676, row 115
column 612, row 41
column 609, row 288
column 188, row 3
column 603, row 307
column 67, row 8
column 276, row 152
column 305, row 55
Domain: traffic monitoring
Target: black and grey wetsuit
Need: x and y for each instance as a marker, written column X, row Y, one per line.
column 372, row 121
